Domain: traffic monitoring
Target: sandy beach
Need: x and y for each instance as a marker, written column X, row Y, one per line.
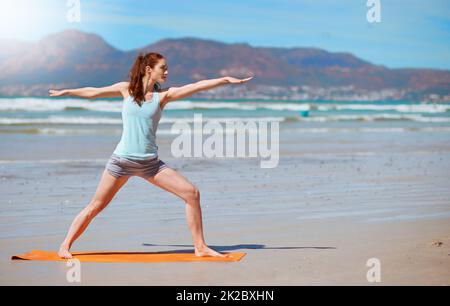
column 335, row 200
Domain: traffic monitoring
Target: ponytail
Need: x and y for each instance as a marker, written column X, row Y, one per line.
column 137, row 73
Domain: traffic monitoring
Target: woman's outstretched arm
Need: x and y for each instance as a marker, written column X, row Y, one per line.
column 175, row 93
column 115, row 90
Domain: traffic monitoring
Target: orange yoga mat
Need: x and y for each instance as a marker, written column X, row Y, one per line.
column 127, row 257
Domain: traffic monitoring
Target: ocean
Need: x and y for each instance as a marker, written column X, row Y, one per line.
column 70, row 116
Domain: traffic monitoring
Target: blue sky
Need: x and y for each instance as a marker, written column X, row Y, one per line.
column 412, row 33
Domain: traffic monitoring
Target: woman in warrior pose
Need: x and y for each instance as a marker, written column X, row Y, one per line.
column 137, row 152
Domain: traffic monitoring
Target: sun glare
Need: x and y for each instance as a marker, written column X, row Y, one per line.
column 22, row 19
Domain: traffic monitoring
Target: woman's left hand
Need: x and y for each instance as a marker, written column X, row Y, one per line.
column 232, row 80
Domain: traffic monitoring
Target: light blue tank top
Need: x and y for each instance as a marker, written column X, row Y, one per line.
column 138, row 139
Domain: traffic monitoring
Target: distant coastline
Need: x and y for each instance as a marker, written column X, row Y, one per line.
column 279, row 73
column 268, row 93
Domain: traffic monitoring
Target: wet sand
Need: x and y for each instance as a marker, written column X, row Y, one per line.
column 334, row 201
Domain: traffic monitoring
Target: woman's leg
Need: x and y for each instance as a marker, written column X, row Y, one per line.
column 170, row 180
column 107, row 188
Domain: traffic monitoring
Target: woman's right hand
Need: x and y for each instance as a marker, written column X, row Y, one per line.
column 57, row 93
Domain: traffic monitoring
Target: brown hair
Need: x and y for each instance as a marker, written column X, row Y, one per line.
column 137, row 73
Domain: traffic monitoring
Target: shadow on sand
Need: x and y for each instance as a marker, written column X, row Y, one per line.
column 226, row 248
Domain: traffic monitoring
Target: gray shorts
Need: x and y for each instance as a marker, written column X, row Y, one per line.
column 119, row 166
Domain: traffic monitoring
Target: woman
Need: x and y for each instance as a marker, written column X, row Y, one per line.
column 136, row 153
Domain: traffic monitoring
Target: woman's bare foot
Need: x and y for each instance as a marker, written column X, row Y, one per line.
column 206, row 251
column 64, row 253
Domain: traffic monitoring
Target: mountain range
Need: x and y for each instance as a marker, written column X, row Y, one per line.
column 72, row 58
